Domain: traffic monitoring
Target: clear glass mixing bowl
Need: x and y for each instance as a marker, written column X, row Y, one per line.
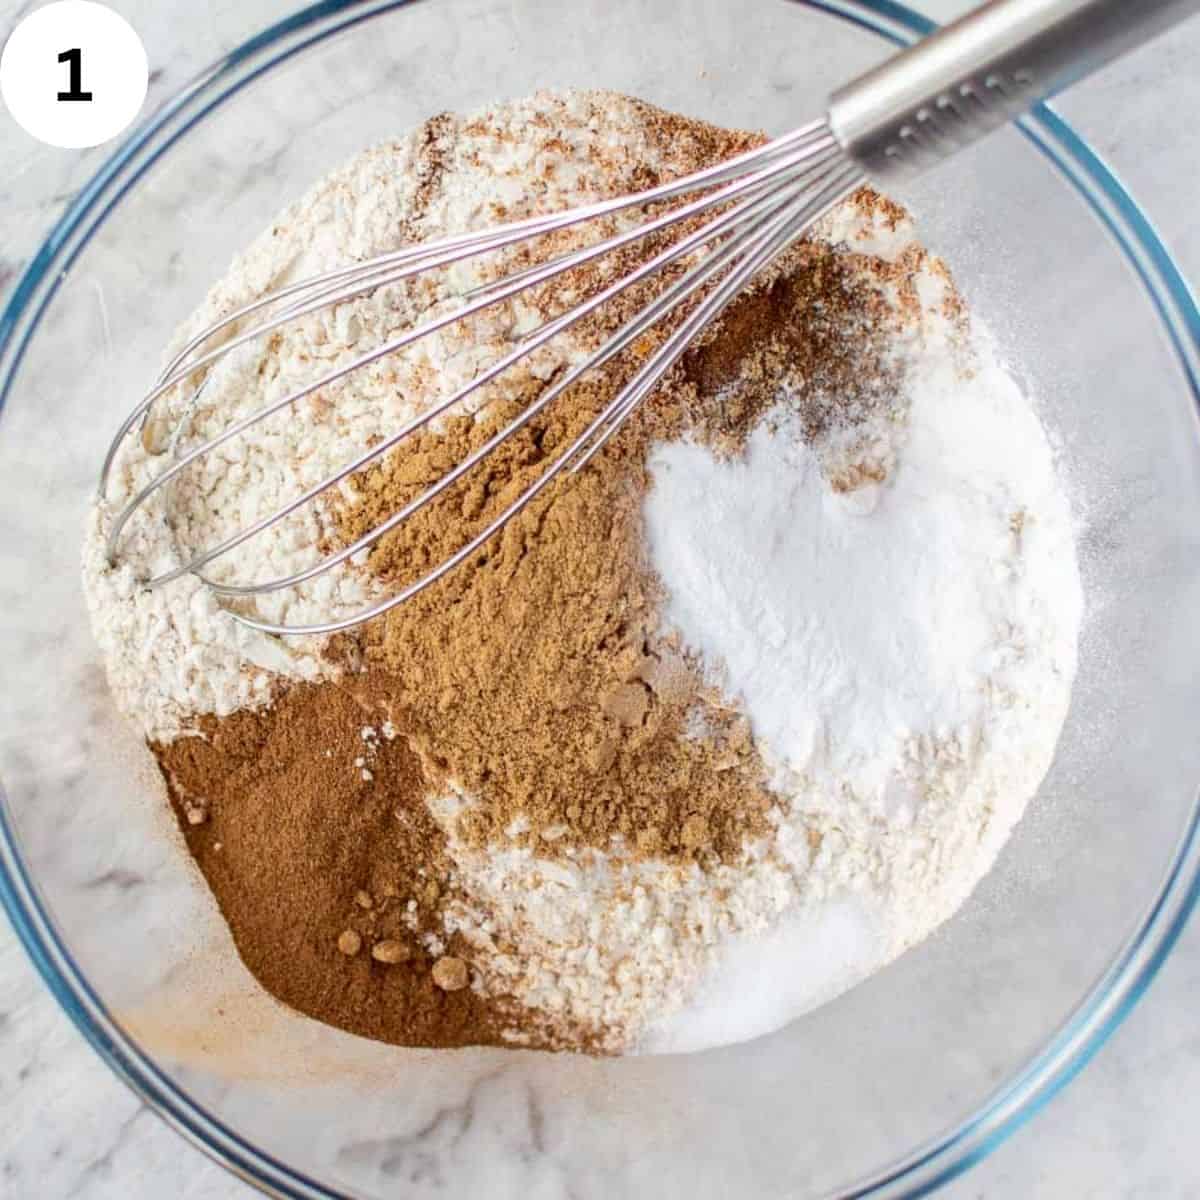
column 888, row 1090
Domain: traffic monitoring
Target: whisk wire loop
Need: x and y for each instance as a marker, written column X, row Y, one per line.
column 766, row 198
column 784, row 224
column 618, row 342
column 778, row 170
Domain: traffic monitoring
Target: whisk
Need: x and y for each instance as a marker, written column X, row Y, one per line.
column 911, row 112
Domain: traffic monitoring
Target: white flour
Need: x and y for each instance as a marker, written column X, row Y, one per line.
column 904, row 650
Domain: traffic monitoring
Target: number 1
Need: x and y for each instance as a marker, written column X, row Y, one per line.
column 75, row 91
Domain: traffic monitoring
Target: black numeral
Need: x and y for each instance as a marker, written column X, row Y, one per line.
column 75, row 73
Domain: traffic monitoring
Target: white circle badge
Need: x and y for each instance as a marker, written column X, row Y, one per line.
column 74, row 74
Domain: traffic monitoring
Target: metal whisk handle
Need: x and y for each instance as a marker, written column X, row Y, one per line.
column 978, row 73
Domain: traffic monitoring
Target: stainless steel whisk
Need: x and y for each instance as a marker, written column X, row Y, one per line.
column 911, row 112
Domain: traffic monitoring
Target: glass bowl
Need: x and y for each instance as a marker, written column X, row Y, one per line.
column 887, row 1091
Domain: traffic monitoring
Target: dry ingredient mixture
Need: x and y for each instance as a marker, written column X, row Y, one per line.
column 710, row 732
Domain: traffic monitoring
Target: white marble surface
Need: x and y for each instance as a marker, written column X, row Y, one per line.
column 1124, row 1129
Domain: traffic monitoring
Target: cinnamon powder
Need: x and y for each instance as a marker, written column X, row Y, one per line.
column 326, row 879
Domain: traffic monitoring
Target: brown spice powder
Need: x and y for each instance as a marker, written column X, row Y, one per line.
column 537, row 677
column 326, row 879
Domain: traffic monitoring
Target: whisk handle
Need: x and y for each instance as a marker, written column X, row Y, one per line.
column 978, row 73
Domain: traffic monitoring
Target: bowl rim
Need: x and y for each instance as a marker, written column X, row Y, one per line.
column 1009, row 1105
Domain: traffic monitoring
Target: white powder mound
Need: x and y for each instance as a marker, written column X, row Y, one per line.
column 849, row 623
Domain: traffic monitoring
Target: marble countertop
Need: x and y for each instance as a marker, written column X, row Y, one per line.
column 1123, row 1129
